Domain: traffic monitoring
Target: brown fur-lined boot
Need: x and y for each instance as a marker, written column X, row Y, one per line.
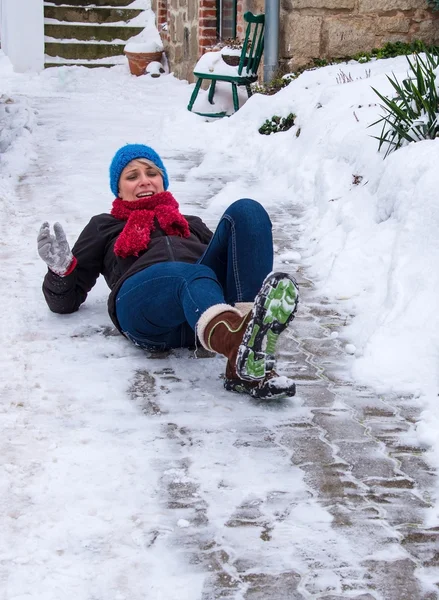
column 249, row 341
column 221, row 329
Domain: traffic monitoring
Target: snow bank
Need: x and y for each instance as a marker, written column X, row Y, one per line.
column 372, row 238
column 16, row 124
column 370, row 227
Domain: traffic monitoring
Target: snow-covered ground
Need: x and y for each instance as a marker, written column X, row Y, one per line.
column 81, row 504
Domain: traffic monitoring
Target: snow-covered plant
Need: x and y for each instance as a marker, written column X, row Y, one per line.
column 412, row 115
column 236, row 43
column 276, row 124
column 273, row 86
column 343, row 78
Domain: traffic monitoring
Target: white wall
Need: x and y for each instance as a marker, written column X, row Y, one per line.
column 22, row 33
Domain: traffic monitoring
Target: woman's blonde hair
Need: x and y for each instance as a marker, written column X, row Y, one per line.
column 145, row 161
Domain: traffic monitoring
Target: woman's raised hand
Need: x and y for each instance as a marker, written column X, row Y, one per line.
column 54, row 249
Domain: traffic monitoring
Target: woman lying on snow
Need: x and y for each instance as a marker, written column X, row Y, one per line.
column 171, row 279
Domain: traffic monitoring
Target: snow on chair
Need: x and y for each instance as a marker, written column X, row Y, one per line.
column 213, row 68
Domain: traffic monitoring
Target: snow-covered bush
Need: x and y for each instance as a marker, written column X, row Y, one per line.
column 412, row 115
column 276, row 124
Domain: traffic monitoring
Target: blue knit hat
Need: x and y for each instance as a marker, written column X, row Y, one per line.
column 128, row 153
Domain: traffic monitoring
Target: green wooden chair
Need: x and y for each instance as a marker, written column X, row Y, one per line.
column 246, row 71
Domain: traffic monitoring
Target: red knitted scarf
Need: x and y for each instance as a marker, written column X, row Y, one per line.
column 139, row 216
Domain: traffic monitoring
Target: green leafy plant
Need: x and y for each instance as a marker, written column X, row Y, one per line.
column 320, row 62
column 391, row 50
column 273, row 86
column 276, row 124
column 412, row 115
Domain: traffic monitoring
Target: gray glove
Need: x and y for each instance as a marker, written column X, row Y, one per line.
column 54, row 249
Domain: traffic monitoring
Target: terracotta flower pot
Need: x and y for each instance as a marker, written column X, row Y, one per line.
column 138, row 61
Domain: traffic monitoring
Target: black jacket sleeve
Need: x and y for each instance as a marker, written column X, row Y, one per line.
column 66, row 294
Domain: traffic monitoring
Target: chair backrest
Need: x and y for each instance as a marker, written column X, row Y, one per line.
column 253, row 45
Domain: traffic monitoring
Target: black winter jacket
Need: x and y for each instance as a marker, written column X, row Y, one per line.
column 94, row 251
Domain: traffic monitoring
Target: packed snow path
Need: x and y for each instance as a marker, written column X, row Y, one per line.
column 127, row 477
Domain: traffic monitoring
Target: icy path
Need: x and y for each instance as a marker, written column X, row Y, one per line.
column 131, row 478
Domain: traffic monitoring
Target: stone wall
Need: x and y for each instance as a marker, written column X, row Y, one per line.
column 308, row 28
column 338, row 28
column 187, row 28
column 177, row 22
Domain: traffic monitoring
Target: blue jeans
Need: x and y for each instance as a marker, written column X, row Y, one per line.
column 159, row 307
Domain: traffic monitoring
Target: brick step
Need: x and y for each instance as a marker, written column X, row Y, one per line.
column 90, row 32
column 78, row 14
column 114, row 3
column 83, row 50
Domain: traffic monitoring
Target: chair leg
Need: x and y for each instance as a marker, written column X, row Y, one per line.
column 194, row 94
column 249, row 90
column 235, row 96
column 211, row 91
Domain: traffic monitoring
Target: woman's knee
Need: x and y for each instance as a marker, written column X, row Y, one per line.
column 247, row 207
column 200, row 271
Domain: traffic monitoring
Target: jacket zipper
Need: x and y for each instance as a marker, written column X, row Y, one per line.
column 170, row 250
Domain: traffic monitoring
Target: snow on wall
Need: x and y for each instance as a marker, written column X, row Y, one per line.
column 22, row 33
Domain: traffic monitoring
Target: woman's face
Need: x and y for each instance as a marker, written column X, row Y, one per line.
column 139, row 180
